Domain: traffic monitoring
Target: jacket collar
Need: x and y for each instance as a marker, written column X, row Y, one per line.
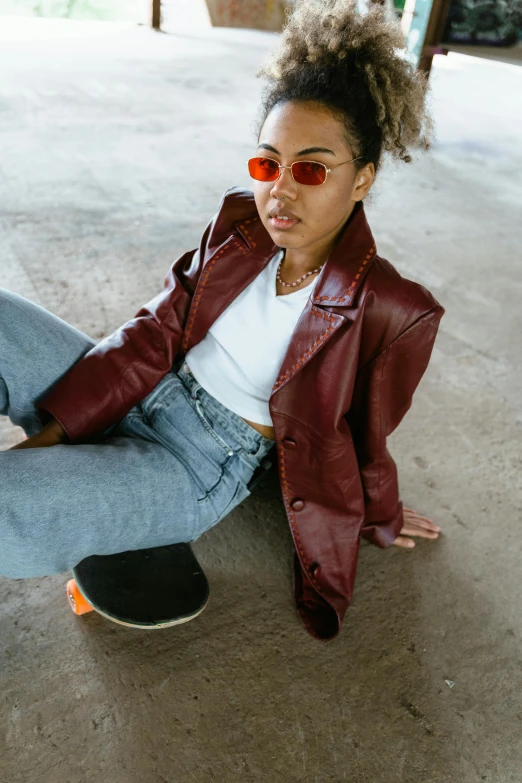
column 322, row 315
column 346, row 267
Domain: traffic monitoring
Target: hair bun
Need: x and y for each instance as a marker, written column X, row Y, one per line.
column 357, row 65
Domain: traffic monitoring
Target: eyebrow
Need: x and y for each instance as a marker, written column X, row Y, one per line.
column 307, row 151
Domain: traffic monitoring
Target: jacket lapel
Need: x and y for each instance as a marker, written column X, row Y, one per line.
column 226, row 273
column 237, row 262
column 336, row 287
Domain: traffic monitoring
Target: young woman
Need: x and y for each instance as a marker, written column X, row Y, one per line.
column 285, row 329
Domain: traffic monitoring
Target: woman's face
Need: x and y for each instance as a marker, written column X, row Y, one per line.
column 298, row 131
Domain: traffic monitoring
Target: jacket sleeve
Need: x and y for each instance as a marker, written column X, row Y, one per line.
column 382, row 395
column 125, row 367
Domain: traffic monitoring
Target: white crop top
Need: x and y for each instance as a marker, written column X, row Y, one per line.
column 239, row 359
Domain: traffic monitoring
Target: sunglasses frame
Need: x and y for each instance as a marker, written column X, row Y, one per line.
column 316, row 162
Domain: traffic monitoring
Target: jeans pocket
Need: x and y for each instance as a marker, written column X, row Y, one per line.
column 207, row 423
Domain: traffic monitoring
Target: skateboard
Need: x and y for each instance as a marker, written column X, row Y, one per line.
column 146, row 588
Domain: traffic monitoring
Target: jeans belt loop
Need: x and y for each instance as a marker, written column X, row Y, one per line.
column 194, row 385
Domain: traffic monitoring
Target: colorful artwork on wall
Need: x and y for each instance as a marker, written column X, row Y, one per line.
column 484, row 22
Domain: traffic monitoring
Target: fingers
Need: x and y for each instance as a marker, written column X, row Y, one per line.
column 420, row 523
column 415, row 524
column 405, row 543
column 413, row 530
column 408, row 543
column 415, row 520
column 409, row 513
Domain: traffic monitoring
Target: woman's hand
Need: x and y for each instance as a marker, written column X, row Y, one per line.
column 415, row 525
column 52, row 434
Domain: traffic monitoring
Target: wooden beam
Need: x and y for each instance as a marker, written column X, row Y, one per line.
column 433, row 37
column 155, row 17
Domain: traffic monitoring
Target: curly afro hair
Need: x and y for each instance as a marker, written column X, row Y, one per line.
column 351, row 63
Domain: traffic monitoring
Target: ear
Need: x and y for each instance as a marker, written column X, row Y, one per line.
column 363, row 182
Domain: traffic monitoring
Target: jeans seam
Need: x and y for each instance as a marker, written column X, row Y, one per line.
column 208, row 425
column 158, row 438
column 259, row 439
column 256, row 436
column 198, row 407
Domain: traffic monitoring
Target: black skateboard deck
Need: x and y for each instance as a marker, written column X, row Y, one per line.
column 146, row 588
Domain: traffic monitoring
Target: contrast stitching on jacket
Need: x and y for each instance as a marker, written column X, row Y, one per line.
column 293, row 523
column 190, row 324
column 352, row 284
column 197, row 297
column 240, row 246
column 320, row 314
column 310, row 351
column 243, row 225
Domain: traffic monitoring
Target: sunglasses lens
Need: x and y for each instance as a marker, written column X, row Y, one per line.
column 263, row 169
column 307, row 172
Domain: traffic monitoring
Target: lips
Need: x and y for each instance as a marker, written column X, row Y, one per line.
column 282, row 212
column 282, row 219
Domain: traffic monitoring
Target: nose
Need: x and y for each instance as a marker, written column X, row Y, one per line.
column 284, row 184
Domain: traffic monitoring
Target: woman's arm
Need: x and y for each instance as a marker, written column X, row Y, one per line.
column 121, row 370
column 382, row 395
column 124, row 367
column 51, row 435
column 101, row 388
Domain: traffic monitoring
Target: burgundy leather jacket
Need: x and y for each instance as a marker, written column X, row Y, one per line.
column 358, row 352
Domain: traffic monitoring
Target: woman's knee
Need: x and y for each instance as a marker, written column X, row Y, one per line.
column 23, row 558
column 15, row 315
column 9, row 302
column 6, row 295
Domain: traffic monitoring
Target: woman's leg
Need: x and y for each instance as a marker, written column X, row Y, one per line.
column 63, row 503
column 36, row 349
column 164, row 476
column 66, row 502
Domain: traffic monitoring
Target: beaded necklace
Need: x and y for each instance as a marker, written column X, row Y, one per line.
column 299, row 280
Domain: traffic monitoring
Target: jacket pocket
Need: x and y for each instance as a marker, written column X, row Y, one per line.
column 185, row 431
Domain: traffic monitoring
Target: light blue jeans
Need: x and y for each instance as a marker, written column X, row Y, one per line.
column 172, row 468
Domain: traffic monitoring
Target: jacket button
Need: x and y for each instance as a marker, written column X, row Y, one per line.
column 288, row 443
column 297, row 504
column 313, row 568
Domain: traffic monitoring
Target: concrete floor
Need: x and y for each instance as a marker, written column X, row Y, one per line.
column 116, row 144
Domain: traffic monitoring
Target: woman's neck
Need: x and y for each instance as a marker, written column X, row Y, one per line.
column 297, row 263
column 288, row 276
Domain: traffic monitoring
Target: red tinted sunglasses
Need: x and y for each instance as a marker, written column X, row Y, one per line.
column 304, row 172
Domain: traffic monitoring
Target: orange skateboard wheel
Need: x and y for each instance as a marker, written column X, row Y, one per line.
column 77, row 602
